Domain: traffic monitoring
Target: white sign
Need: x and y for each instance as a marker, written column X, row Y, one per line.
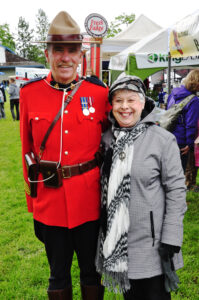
column 184, row 37
column 96, row 25
column 158, row 60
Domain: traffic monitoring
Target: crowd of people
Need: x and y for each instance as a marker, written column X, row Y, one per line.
column 13, row 92
column 101, row 178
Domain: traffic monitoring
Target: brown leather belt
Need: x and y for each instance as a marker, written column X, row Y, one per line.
column 69, row 171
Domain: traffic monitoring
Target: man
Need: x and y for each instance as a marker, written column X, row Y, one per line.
column 66, row 213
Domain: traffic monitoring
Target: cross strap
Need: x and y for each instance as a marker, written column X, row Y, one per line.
column 69, row 98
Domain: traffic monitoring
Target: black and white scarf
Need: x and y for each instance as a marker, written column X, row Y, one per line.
column 112, row 253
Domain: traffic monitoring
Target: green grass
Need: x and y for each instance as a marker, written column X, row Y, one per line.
column 24, row 270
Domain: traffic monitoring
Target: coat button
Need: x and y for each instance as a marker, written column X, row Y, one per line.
column 66, row 152
column 66, row 131
column 36, row 118
column 66, row 111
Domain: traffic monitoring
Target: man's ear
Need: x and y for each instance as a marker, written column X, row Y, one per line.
column 46, row 55
column 81, row 55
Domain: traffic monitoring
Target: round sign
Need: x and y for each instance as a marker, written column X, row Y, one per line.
column 96, row 25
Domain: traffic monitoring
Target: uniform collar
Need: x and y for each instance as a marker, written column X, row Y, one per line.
column 60, row 86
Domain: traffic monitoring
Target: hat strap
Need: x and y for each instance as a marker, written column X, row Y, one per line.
column 64, row 38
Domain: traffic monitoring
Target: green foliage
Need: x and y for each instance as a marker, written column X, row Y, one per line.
column 42, row 26
column 115, row 26
column 23, row 43
column 153, row 94
column 6, row 37
column 24, row 269
column 24, row 39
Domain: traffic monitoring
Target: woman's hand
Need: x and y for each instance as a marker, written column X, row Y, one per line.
column 184, row 150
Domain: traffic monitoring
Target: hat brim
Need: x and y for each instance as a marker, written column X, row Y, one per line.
column 58, row 42
column 63, row 38
column 130, row 87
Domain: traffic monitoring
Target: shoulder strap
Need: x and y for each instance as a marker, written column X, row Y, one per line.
column 69, row 98
column 186, row 100
column 95, row 80
column 32, row 80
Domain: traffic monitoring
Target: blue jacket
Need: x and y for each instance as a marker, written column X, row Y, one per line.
column 185, row 130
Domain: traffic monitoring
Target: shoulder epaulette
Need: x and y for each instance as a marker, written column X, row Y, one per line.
column 32, row 80
column 95, row 80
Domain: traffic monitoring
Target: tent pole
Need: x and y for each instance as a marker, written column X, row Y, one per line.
column 169, row 74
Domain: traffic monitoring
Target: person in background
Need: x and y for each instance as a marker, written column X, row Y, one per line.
column 185, row 129
column 2, row 101
column 161, row 98
column 192, row 165
column 66, row 208
column 196, row 153
column 143, row 199
column 13, row 91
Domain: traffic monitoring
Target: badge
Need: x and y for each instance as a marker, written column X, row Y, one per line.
column 84, row 104
column 72, row 86
column 122, row 155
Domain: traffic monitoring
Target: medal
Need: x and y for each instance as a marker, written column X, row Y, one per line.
column 91, row 108
column 84, row 104
column 86, row 111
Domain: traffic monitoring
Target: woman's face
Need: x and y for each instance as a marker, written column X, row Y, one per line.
column 127, row 107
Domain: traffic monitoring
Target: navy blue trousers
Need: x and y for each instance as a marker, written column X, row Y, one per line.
column 61, row 243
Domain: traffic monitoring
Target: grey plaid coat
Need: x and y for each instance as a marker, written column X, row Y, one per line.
column 158, row 200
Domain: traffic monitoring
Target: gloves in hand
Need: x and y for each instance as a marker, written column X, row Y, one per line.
column 171, row 279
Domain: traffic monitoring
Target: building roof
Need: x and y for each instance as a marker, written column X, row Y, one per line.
column 8, row 59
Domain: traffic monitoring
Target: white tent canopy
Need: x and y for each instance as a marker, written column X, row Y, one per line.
column 150, row 52
column 136, row 31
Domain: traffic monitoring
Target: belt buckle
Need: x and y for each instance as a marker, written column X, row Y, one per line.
column 63, row 173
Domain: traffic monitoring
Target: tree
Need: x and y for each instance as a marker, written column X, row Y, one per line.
column 42, row 26
column 34, row 54
column 25, row 37
column 6, row 37
column 115, row 26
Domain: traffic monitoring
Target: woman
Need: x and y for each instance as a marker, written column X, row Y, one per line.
column 143, row 199
column 186, row 127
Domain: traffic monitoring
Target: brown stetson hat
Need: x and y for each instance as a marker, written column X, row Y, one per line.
column 63, row 29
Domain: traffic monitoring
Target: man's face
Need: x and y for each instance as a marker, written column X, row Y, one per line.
column 64, row 60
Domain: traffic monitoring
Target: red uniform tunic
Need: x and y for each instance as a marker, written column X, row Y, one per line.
column 78, row 199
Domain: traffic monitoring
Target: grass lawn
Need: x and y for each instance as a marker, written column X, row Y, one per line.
column 23, row 265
